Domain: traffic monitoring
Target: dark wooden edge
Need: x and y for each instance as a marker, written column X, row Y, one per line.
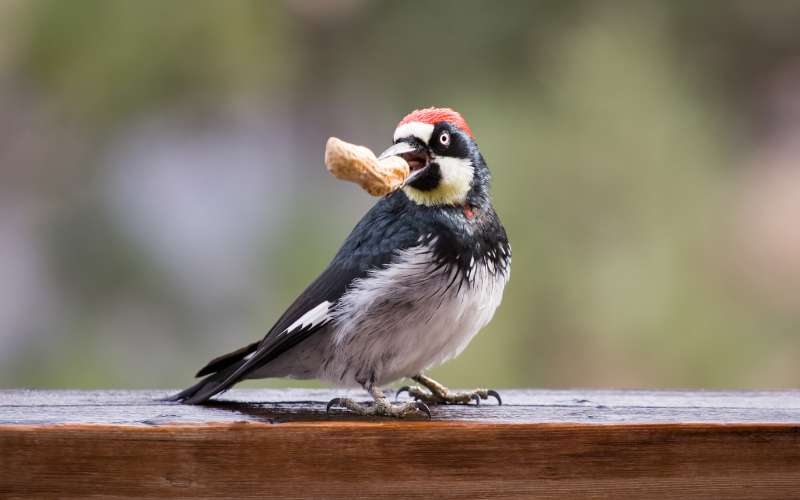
column 391, row 425
column 402, row 460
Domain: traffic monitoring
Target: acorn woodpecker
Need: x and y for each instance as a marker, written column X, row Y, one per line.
column 422, row 272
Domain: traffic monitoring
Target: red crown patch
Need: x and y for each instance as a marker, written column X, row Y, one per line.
column 435, row 115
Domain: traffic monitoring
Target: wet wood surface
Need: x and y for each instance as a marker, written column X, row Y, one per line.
column 282, row 444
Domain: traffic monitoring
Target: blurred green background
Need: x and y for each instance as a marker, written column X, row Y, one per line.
column 163, row 197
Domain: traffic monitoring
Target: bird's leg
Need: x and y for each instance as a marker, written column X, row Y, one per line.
column 381, row 407
column 441, row 395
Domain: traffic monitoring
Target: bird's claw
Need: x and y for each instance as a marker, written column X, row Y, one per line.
column 401, row 390
column 494, row 394
column 333, row 402
column 423, row 408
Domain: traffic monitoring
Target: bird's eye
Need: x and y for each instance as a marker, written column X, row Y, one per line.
column 444, row 139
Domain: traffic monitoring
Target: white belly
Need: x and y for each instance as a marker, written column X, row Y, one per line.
column 408, row 317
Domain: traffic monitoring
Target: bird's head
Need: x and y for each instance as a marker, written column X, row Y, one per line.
column 446, row 166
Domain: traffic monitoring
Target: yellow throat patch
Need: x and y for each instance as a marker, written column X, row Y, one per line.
column 456, row 182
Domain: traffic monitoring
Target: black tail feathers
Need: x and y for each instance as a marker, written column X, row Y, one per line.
column 208, row 387
column 226, row 360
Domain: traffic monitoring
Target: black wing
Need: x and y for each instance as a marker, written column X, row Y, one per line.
column 373, row 243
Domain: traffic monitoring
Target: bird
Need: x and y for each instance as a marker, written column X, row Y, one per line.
column 420, row 274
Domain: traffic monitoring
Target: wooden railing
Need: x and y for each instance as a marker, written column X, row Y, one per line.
column 281, row 444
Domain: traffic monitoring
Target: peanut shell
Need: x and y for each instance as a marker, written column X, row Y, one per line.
column 358, row 164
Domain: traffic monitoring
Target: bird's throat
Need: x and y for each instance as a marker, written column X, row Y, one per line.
column 448, row 183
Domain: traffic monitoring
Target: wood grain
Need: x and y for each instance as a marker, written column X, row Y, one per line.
column 280, row 444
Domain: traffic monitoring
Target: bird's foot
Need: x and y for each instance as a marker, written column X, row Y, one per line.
column 381, row 408
column 437, row 394
column 448, row 397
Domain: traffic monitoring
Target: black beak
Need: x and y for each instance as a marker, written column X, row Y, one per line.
column 414, row 153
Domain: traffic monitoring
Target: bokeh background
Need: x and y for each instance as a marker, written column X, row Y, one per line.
column 163, row 197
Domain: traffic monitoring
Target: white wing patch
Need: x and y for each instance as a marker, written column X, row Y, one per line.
column 315, row 317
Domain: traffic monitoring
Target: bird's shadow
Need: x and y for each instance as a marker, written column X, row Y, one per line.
column 290, row 411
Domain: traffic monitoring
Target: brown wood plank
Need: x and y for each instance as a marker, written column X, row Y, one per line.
column 280, row 444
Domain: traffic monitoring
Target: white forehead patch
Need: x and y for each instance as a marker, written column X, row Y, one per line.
column 421, row 131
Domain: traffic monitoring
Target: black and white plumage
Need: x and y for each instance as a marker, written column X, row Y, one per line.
column 422, row 272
